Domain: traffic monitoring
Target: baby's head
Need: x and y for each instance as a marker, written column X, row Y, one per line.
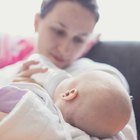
column 95, row 102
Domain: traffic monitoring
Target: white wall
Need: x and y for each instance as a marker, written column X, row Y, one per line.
column 16, row 16
column 120, row 19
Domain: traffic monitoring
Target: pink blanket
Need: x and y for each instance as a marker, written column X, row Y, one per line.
column 13, row 49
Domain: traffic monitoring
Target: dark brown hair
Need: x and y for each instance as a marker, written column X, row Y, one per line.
column 48, row 5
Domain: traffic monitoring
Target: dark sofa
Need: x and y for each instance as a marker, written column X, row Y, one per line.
column 125, row 56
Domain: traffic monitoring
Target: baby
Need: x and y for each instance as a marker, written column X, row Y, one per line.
column 94, row 102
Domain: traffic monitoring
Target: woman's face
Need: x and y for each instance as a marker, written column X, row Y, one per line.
column 63, row 33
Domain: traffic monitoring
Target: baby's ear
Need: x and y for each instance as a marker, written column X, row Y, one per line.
column 69, row 94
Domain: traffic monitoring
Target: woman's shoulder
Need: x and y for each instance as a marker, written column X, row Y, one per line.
column 85, row 65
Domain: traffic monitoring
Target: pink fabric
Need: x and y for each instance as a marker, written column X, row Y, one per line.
column 13, row 49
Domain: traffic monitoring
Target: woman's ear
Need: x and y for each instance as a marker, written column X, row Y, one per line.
column 36, row 22
column 69, row 94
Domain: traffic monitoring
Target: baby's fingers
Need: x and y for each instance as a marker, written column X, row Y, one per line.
column 30, row 72
column 23, row 79
column 26, row 65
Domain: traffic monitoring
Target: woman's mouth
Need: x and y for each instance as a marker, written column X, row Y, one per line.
column 57, row 58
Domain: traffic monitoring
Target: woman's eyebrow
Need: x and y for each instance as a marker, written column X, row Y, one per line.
column 61, row 24
column 64, row 26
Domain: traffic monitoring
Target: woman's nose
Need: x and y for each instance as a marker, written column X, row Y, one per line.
column 65, row 47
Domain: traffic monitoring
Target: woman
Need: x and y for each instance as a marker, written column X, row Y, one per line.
column 63, row 28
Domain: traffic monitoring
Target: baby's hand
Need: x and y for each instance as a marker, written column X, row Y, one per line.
column 2, row 115
column 26, row 73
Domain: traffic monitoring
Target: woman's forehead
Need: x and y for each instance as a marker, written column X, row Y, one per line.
column 72, row 16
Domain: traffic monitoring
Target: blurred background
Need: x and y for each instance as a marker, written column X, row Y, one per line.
column 119, row 19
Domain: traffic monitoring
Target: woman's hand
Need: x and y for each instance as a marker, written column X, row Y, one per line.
column 26, row 73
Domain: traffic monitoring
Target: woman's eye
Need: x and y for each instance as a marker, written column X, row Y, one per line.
column 78, row 40
column 59, row 32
